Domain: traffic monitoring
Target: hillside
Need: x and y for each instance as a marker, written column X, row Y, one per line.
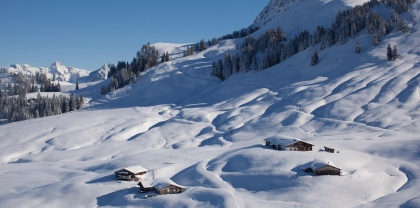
column 181, row 123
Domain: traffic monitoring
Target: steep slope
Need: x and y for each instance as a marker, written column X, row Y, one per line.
column 273, row 8
column 181, row 123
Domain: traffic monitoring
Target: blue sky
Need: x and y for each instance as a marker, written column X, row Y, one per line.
column 89, row 33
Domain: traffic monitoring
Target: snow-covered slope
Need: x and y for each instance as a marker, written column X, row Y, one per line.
column 181, row 123
column 63, row 73
column 271, row 11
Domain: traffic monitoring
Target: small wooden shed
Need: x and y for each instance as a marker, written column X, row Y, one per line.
column 161, row 186
column 330, row 150
column 134, row 173
column 287, row 143
column 323, row 168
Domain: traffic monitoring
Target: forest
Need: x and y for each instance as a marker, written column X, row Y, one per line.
column 274, row 47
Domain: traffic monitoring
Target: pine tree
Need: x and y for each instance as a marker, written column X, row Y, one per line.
column 358, row 48
column 265, row 63
column 163, row 59
column 389, row 52
column 254, row 63
column 376, row 39
column 315, row 59
column 58, row 87
column 72, row 103
column 394, row 53
column 77, row 85
column 220, row 69
column 214, row 69
column 167, row 56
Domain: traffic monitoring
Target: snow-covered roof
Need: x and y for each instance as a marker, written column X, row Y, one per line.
column 317, row 164
column 159, row 183
column 135, row 169
column 283, row 140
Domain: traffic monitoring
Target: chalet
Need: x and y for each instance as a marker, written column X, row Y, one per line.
column 286, row 143
column 330, row 150
column 161, row 186
column 323, row 168
column 134, row 173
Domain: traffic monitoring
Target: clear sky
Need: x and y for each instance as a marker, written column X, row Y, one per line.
column 89, row 33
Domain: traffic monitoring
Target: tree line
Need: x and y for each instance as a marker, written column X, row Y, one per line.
column 126, row 73
column 18, row 108
column 274, row 47
column 15, row 107
column 28, row 84
column 203, row 45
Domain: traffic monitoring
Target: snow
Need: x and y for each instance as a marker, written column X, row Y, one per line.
column 189, row 127
column 316, row 164
column 136, row 169
column 159, row 183
column 282, row 140
column 63, row 73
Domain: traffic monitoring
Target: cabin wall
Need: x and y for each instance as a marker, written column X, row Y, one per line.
column 329, row 150
column 301, row 146
column 171, row 189
column 327, row 170
column 124, row 175
column 298, row 146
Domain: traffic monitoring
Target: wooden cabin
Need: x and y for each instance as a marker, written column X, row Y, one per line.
column 134, row 173
column 286, row 143
column 323, row 168
column 161, row 186
column 330, row 150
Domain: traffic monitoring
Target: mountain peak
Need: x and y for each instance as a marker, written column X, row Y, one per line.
column 273, row 8
column 57, row 64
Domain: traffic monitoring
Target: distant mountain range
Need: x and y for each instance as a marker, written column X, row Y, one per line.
column 64, row 73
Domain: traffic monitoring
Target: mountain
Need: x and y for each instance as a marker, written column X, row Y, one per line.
column 97, row 75
column 273, row 8
column 207, row 135
column 63, row 73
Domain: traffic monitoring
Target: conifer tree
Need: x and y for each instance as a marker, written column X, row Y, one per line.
column 315, row 59
column 394, row 53
column 358, row 48
column 214, row 69
column 254, row 63
column 220, row 69
column 167, row 56
column 389, row 52
column 376, row 39
column 163, row 59
column 77, row 85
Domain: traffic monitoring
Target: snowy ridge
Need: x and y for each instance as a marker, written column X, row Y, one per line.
column 189, row 127
column 63, row 73
column 97, row 75
column 273, row 8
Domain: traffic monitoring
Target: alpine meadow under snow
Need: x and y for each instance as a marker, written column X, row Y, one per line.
column 207, row 135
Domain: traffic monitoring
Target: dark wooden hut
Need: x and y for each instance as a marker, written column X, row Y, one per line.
column 330, row 150
column 131, row 174
column 286, row 143
column 323, row 168
column 161, row 186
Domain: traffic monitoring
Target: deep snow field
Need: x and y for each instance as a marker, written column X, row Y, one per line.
column 181, row 123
